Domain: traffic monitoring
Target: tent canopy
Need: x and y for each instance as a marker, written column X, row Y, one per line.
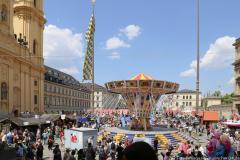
column 210, row 116
column 30, row 121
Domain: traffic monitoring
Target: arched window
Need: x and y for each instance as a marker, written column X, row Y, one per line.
column 4, row 91
column 4, row 13
column 34, row 46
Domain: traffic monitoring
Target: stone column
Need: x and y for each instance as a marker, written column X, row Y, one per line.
column 10, row 89
column 28, row 91
column 41, row 93
column 22, row 86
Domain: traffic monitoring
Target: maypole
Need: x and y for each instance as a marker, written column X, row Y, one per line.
column 88, row 68
column 93, row 89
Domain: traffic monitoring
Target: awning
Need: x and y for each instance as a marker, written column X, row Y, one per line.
column 31, row 121
column 210, row 116
column 4, row 116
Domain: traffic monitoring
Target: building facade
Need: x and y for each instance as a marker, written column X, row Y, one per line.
column 236, row 64
column 211, row 101
column 186, row 100
column 98, row 94
column 224, row 110
column 183, row 100
column 21, row 55
column 64, row 93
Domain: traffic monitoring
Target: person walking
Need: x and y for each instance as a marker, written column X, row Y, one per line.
column 45, row 136
column 190, row 130
column 50, row 142
column 81, row 155
column 29, row 154
column 20, row 151
column 155, row 144
column 38, row 134
column 119, row 151
column 72, row 156
column 102, row 154
column 90, row 153
column 113, row 150
column 61, row 135
column 57, row 153
column 9, row 137
column 66, row 155
column 39, row 152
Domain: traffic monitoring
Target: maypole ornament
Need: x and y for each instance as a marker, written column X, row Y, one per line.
column 93, row 2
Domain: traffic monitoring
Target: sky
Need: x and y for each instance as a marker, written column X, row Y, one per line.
column 155, row 37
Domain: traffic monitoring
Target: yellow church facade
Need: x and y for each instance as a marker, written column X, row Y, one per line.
column 21, row 56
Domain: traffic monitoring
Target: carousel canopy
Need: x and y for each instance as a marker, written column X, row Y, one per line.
column 141, row 76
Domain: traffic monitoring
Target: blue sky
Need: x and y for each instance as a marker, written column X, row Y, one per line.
column 156, row 37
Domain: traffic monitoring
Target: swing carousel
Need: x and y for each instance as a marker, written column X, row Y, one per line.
column 141, row 93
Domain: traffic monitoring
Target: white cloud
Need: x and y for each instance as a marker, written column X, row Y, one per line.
column 62, row 47
column 231, row 81
column 115, row 55
column 188, row 73
column 131, row 31
column 219, row 55
column 115, row 42
column 70, row 70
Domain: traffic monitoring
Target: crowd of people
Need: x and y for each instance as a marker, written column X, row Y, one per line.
column 29, row 144
column 220, row 140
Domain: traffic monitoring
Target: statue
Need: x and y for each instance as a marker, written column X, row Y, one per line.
column 4, row 14
column 4, row 91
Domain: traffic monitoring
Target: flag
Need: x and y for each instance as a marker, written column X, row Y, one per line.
column 89, row 56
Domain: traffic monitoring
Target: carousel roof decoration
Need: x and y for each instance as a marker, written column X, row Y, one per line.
column 141, row 76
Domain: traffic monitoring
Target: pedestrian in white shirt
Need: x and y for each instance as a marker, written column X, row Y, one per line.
column 190, row 130
column 4, row 137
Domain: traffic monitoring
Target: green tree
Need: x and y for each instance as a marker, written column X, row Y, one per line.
column 227, row 98
column 217, row 94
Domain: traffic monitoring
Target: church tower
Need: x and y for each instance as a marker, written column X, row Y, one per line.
column 28, row 22
column 28, row 25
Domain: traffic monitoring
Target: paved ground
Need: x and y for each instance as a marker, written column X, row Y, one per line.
column 48, row 154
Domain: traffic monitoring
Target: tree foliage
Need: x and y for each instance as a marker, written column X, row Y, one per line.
column 227, row 98
column 217, row 94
